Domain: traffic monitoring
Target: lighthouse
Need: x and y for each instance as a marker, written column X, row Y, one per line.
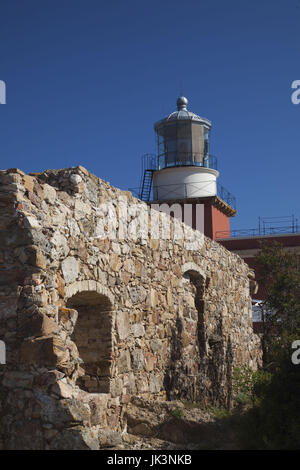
column 184, row 172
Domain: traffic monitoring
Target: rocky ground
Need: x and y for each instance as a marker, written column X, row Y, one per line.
column 176, row 425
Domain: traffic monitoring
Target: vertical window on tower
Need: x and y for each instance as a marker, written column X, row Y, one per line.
column 206, row 146
column 161, row 151
column 171, row 148
column 170, row 138
column 184, row 150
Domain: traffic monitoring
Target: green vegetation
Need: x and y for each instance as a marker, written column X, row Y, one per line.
column 273, row 420
column 177, row 413
column 218, row 412
column 248, row 385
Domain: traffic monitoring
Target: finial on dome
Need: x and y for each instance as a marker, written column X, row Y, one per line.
column 182, row 103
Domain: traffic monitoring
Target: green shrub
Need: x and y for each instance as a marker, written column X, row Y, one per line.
column 177, row 413
column 248, row 384
column 218, row 412
column 274, row 420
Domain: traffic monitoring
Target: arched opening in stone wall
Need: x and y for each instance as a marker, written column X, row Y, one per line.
column 197, row 280
column 93, row 338
column 184, row 375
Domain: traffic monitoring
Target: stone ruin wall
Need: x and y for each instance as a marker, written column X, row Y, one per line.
column 90, row 322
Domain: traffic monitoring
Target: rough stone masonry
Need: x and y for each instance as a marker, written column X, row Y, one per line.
column 90, row 322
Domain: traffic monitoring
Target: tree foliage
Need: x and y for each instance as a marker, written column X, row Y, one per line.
column 274, row 421
column 279, row 276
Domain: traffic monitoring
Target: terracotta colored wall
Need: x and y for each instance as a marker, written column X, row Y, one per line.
column 220, row 222
column 215, row 221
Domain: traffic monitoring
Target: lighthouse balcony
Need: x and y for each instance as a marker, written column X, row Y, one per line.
column 154, row 162
column 203, row 189
column 185, row 183
column 186, row 159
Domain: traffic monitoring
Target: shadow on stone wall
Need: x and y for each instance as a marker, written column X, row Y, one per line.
column 180, row 381
column 211, row 383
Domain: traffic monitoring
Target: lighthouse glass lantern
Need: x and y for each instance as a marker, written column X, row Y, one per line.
column 183, row 138
column 184, row 169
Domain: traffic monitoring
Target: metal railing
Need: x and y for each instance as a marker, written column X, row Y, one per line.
column 226, row 196
column 181, row 190
column 266, row 226
column 188, row 190
column 154, row 162
column 172, row 159
column 151, row 162
column 254, row 232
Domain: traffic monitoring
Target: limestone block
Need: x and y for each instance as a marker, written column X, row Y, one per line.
column 137, row 294
column 28, row 183
column 70, row 269
column 62, row 389
column 115, row 262
column 75, row 179
column 44, row 351
column 123, row 362
column 81, row 209
column 98, row 407
column 60, row 285
column 125, row 277
column 31, row 222
column 108, row 438
column 116, row 387
column 156, row 345
column 49, row 193
column 129, row 266
column 155, row 383
column 129, row 383
column 137, row 357
column 75, row 438
column 150, row 361
column 61, row 248
column 137, row 330
column 122, row 321
column 38, row 325
column 45, row 379
column 73, row 227
column 152, row 299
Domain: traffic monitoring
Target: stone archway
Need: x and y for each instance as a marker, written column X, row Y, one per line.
column 93, row 334
column 194, row 274
column 184, row 377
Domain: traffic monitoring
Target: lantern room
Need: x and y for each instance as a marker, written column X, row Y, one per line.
column 183, row 138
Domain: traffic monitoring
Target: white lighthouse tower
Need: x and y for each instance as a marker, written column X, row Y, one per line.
column 184, row 171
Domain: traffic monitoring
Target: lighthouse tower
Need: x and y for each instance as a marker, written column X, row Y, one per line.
column 184, row 171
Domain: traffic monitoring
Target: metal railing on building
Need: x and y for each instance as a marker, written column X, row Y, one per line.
column 150, row 163
column 266, row 226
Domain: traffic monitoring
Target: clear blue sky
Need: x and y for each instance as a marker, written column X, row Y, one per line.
column 87, row 79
